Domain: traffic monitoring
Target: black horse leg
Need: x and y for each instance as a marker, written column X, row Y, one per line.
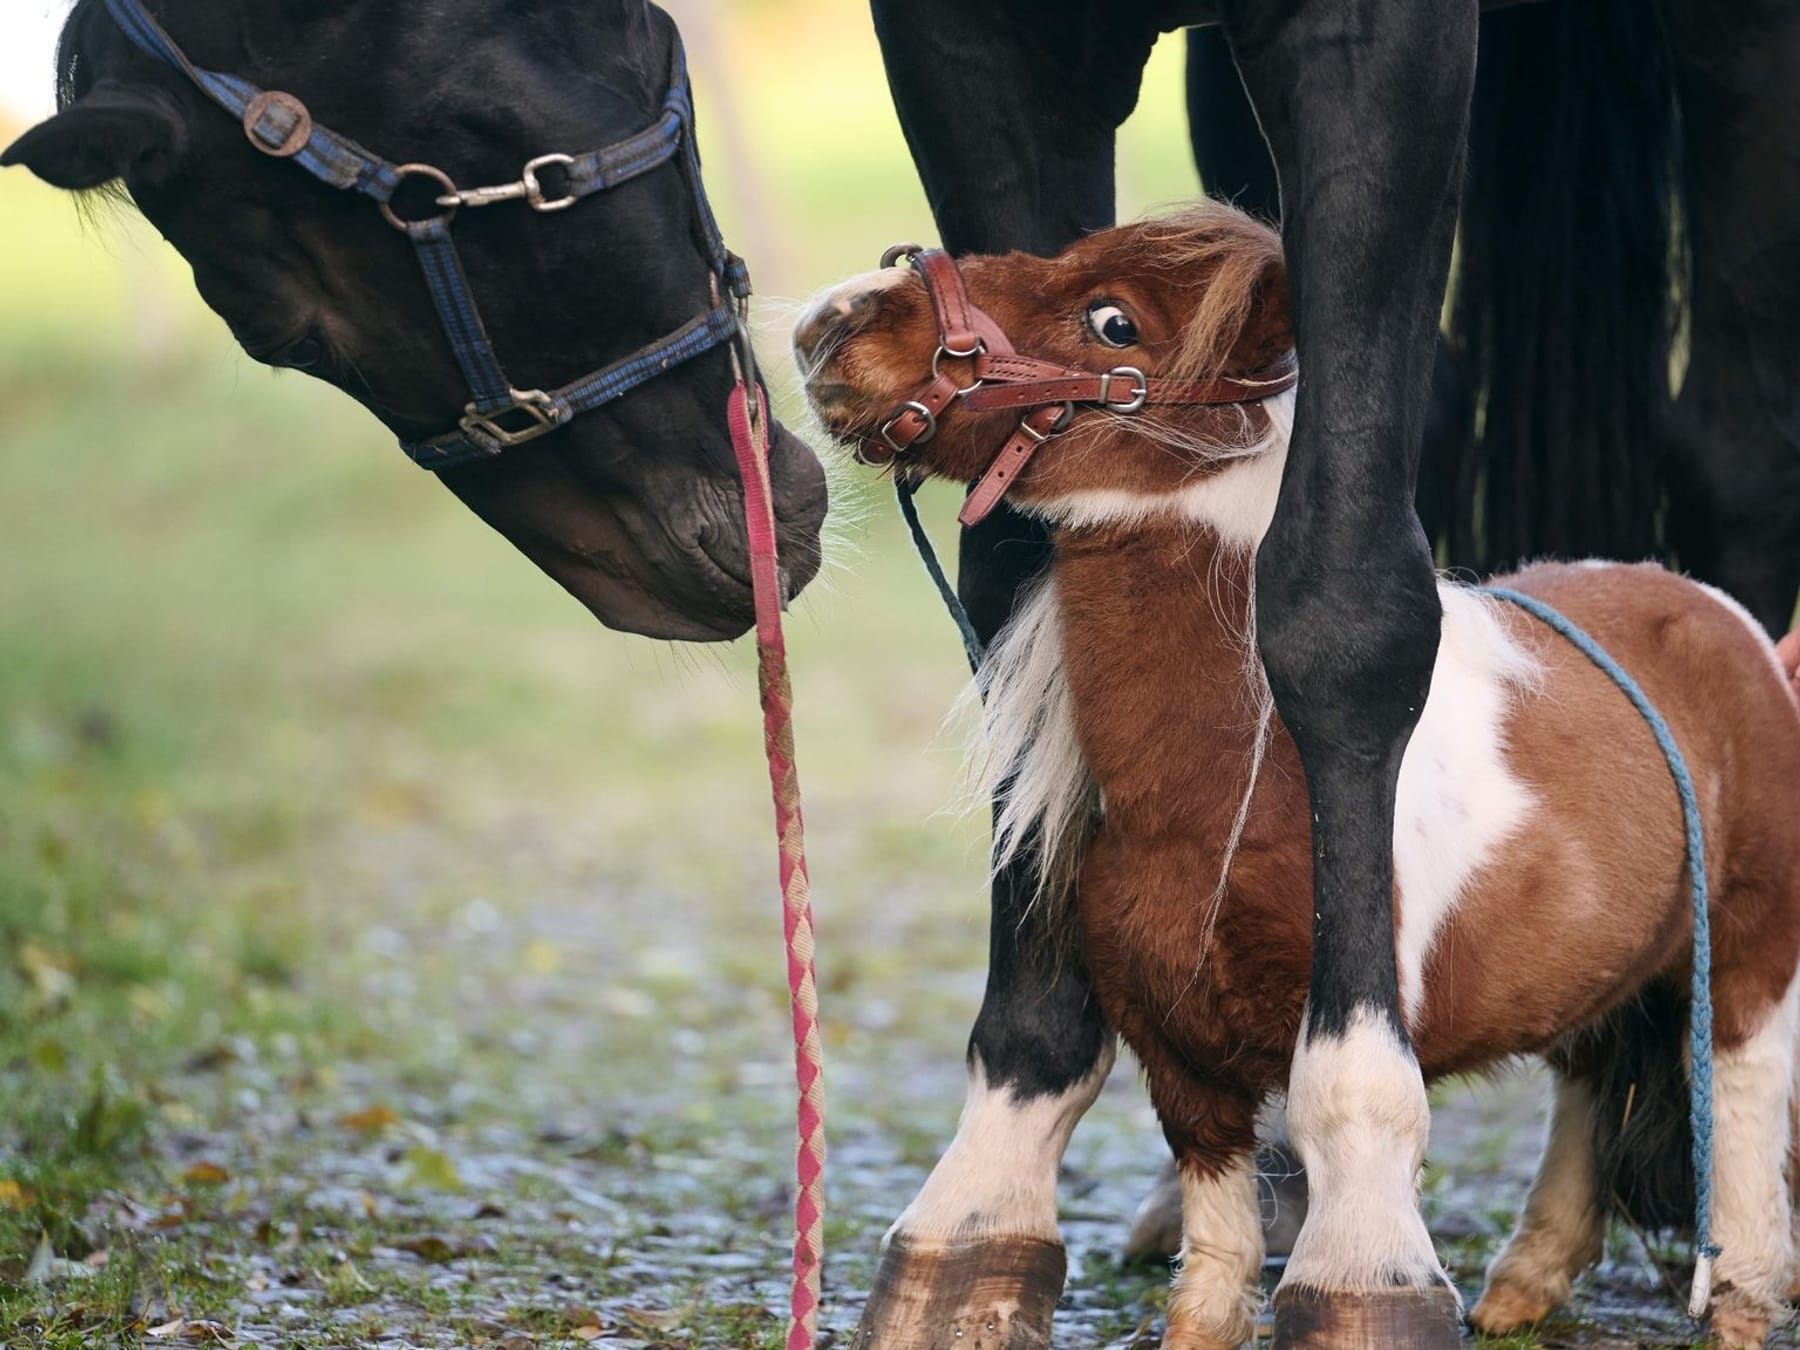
column 1229, row 149
column 1366, row 108
column 1734, row 439
column 1010, row 111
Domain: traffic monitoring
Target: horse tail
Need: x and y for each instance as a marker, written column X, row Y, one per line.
column 1642, row 1137
column 1566, row 295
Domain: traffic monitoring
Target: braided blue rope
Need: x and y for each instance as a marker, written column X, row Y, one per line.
column 1700, row 1015
column 905, row 488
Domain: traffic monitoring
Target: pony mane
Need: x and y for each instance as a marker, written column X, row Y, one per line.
column 1242, row 258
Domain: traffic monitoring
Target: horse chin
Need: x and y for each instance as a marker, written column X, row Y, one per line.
column 670, row 563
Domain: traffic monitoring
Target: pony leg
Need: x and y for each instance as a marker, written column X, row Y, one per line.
column 1216, row 1295
column 1562, row 1230
column 1752, row 1215
column 1366, row 109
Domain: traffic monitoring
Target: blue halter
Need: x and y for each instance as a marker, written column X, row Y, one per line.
column 498, row 415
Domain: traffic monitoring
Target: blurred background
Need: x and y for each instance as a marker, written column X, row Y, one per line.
column 354, row 884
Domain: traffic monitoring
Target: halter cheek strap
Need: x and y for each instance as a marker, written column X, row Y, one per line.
column 1049, row 394
column 499, row 415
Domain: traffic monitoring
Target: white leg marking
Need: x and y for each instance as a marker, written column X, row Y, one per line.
column 1358, row 1117
column 1562, row 1230
column 1752, row 1219
column 998, row 1177
column 1458, row 801
column 1216, row 1295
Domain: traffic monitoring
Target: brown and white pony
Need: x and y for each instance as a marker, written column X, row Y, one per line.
column 1540, row 904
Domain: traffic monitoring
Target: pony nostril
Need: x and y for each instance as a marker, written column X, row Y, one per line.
column 839, row 315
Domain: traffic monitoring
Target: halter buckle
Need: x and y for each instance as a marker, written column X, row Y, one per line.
column 534, row 190
column 913, row 406
column 1140, row 389
column 504, row 427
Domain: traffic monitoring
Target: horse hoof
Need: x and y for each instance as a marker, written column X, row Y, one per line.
column 996, row 1295
column 1389, row 1319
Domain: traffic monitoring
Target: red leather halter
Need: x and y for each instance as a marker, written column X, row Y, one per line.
column 1051, row 394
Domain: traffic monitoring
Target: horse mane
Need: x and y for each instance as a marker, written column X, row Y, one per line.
column 1243, row 262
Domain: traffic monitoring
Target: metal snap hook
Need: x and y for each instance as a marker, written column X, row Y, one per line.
column 896, row 252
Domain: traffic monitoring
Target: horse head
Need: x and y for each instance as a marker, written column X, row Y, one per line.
column 635, row 507
column 1170, row 321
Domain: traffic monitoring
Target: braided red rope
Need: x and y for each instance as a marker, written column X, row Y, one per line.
column 749, row 418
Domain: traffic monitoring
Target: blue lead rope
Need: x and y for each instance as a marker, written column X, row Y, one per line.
column 1700, row 1013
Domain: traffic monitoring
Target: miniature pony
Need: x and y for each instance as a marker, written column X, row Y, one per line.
column 1540, row 903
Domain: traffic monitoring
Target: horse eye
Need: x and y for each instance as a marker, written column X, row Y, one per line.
column 1112, row 325
column 302, row 354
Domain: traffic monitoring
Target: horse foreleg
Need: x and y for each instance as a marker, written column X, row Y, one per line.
column 977, row 1259
column 1366, row 109
column 1010, row 110
column 1562, row 1229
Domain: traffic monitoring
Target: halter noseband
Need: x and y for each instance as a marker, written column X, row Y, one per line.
column 498, row 415
column 1051, row 394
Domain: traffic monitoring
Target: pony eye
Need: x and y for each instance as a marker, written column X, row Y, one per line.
column 1112, row 325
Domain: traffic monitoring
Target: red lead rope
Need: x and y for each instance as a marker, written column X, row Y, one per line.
column 749, row 438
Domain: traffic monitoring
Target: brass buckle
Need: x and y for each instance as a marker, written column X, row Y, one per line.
column 501, row 425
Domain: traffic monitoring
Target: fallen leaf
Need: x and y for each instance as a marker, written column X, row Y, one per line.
column 437, row 1249
column 370, row 1120
column 98, row 1259
column 428, row 1168
column 206, row 1174
column 15, row 1196
column 588, row 1333
column 167, row 1331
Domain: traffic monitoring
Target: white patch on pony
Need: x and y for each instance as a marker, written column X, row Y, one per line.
column 998, row 1177
column 1358, row 1117
column 1757, row 631
column 1216, row 1294
column 1563, row 1229
column 1752, row 1219
column 1029, row 757
column 1457, row 800
column 1238, row 500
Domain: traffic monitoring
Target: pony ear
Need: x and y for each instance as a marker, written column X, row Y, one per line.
column 113, row 131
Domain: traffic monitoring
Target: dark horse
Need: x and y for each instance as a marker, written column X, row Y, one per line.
column 1595, row 126
column 634, row 507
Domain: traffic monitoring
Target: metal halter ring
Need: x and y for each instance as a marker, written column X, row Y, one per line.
column 437, row 176
column 1060, row 425
column 892, row 257
column 1140, row 389
column 887, row 428
column 944, row 352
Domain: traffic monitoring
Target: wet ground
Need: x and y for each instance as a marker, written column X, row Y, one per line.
column 577, row 1132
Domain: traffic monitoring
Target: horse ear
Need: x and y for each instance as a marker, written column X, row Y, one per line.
column 113, row 131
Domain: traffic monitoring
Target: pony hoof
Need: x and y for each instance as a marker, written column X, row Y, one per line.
column 1389, row 1319
column 996, row 1295
column 1506, row 1307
